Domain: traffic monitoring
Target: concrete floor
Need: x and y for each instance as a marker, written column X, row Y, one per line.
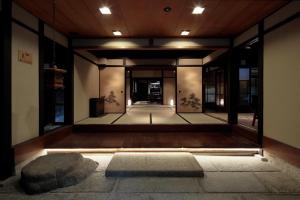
column 226, row 177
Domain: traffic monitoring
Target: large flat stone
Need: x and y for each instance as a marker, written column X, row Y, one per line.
column 51, row 166
column 278, row 182
column 156, row 184
column 154, row 164
column 55, row 171
column 231, row 182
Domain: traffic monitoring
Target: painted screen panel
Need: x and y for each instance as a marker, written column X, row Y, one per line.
column 189, row 89
column 112, row 87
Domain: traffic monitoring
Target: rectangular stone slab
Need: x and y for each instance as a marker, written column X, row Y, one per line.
column 173, row 164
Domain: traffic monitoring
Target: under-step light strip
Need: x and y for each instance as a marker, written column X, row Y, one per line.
column 192, row 150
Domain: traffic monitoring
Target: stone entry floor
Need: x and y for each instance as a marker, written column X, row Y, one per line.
column 226, row 177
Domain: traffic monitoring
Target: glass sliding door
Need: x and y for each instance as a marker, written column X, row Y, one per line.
column 248, row 80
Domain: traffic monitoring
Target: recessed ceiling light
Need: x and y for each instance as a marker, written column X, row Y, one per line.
column 198, row 10
column 167, row 9
column 185, row 33
column 117, row 33
column 105, row 10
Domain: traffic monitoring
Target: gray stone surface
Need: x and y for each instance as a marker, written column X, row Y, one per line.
column 231, row 182
column 270, row 197
column 96, row 182
column 221, row 185
column 154, row 164
column 58, row 196
column 55, row 171
column 195, row 196
column 206, row 162
column 11, row 185
column 241, row 163
column 278, row 182
column 129, row 196
column 156, row 184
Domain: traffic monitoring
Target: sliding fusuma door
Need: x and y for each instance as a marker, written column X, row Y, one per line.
column 189, row 89
column 112, row 88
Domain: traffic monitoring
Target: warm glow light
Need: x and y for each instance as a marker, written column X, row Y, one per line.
column 117, row 33
column 192, row 150
column 171, row 102
column 222, row 102
column 129, row 103
column 105, row 10
column 185, row 33
column 198, row 10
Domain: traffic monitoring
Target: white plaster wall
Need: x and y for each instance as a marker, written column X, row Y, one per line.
column 25, row 86
column 169, row 90
column 86, row 86
column 282, row 84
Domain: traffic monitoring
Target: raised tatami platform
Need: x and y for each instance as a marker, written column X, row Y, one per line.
column 153, row 114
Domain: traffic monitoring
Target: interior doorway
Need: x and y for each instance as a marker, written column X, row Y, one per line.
column 147, row 90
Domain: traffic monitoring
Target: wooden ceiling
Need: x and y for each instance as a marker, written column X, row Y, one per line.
column 146, row 18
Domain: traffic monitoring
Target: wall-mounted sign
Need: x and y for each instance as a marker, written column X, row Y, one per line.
column 25, row 57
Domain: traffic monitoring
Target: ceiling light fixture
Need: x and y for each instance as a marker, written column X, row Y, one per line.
column 105, row 10
column 198, row 10
column 117, row 33
column 167, row 9
column 185, row 33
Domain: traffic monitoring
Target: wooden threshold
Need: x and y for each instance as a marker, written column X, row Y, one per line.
column 152, row 128
column 27, row 149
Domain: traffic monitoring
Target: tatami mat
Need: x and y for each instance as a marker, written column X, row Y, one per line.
column 200, row 118
column 222, row 116
column 104, row 119
column 134, row 118
column 168, row 118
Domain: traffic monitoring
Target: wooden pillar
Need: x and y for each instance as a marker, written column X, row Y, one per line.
column 6, row 150
column 42, row 122
column 69, row 83
column 233, row 82
column 260, row 66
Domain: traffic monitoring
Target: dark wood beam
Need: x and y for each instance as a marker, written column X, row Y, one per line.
column 150, row 43
column 6, row 151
